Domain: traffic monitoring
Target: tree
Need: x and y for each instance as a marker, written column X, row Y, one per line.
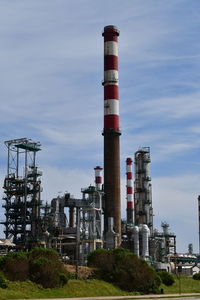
column 124, row 269
column 40, row 265
column 166, row 278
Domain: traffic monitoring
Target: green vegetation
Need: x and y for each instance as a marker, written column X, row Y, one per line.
column 196, row 276
column 85, row 288
column 40, row 274
column 74, row 288
column 166, row 278
column 184, row 284
column 125, row 270
column 15, row 266
column 3, row 283
column 40, row 265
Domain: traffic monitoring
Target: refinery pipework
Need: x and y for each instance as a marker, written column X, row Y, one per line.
column 111, row 132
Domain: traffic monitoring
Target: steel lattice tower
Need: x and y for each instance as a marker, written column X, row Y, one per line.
column 22, row 187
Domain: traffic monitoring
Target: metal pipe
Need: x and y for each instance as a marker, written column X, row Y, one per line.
column 71, row 217
column 199, row 219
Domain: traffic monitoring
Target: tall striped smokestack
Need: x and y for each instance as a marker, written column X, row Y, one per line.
column 129, row 190
column 98, row 177
column 111, row 130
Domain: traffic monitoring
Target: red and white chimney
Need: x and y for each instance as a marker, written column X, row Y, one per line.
column 98, row 177
column 129, row 190
column 111, row 131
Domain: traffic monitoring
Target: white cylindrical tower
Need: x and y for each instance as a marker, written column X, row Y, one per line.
column 136, row 240
column 129, row 191
column 145, row 241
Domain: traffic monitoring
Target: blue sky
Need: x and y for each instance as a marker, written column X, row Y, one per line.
column 51, row 58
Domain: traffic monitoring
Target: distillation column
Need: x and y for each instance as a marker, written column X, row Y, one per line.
column 129, row 191
column 111, row 131
column 143, row 192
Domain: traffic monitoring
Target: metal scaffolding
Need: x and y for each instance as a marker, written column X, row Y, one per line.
column 22, row 187
column 91, row 221
column 88, row 221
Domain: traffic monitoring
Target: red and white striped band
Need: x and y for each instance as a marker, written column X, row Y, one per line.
column 129, row 183
column 111, row 93
column 98, row 177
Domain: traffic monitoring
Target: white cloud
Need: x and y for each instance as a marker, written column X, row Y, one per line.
column 175, row 201
column 55, row 180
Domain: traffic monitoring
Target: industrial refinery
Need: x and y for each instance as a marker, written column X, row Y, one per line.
column 76, row 227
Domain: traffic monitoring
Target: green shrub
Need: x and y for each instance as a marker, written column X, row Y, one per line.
column 40, row 265
column 15, row 266
column 43, row 252
column 46, row 268
column 49, row 254
column 166, row 278
column 43, row 272
column 11, row 255
column 94, row 256
column 63, row 278
column 3, row 283
column 196, row 276
column 124, row 269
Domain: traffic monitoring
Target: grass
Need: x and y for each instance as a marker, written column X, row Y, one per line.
column 187, row 285
column 74, row 288
column 86, row 288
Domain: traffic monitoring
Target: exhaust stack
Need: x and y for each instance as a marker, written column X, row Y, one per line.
column 111, row 130
column 98, row 177
column 129, row 191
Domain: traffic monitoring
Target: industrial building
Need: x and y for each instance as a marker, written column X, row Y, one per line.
column 76, row 227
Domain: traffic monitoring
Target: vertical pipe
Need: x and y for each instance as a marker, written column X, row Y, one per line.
column 25, row 194
column 199, row 219
column 17, row 167
column 136, row 240
column 8, row 162
column 98, row 177
column 145, row 241
column 111, row 130
column 77, row 239
column 71, row 217
column 129, row 190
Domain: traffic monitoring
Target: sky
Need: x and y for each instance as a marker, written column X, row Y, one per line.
column 51, row 69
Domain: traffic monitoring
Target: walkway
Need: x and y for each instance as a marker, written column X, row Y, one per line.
column 160, row 296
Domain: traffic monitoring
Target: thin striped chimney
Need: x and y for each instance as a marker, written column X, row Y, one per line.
column 111, row 131
column 98, row 177
column 129, row 191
